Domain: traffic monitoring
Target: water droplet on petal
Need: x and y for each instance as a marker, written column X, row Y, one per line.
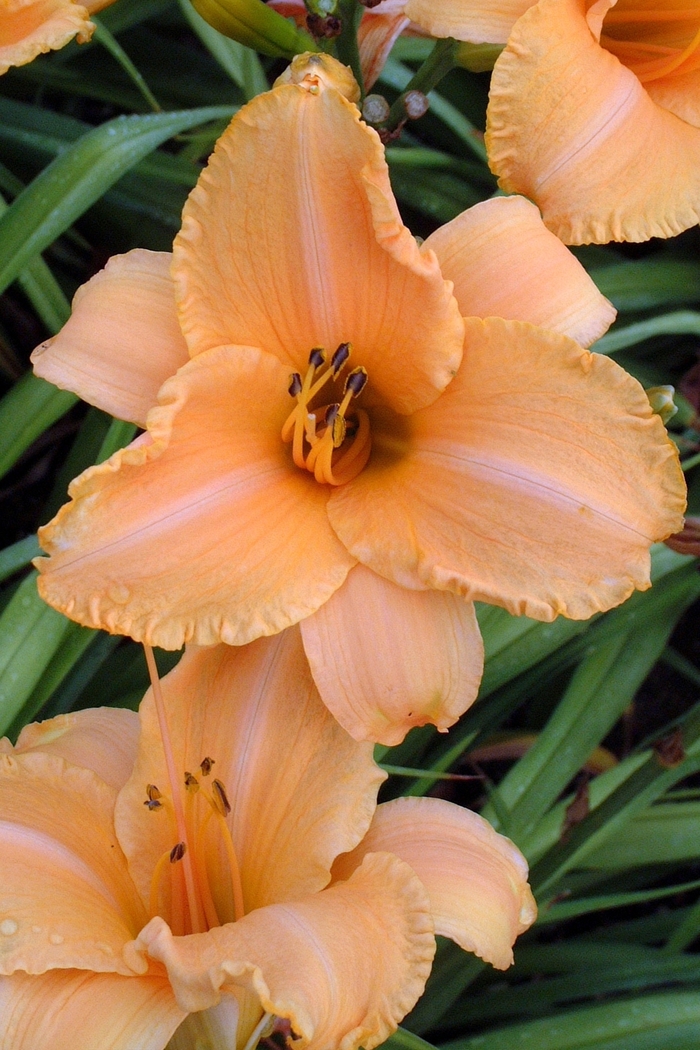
column 56, row 938
column 8, row 927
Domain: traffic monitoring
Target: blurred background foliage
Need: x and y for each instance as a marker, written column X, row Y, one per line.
column 585, row 744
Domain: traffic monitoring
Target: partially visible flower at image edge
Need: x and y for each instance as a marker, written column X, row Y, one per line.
column 350, row 445
column 282, row 889
column 31, row 27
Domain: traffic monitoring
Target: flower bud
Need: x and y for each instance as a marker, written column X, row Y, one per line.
column 477, row 58
column 253, row 23
column 661, row 401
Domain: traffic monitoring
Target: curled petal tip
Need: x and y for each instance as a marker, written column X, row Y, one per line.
column 316, row 72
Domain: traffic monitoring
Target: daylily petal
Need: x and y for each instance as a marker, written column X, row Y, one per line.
column 386, row 658
column 122, row 340
column 538, row 481
column 216, row 1027
column 256, row 712
column 75, row 1010
column 478, row 21
column 678, row 94
column 103, row 739
column 572, row 128
column 317, row 257
column 30, row 27
column 67, row 897
column 505, row 263
column 206, row 534
column 476, row 879
column 344, row 965
column 379, row 30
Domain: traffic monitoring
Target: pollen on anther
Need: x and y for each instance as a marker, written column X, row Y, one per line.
column 205, row 766
column 340, row 357
column 356, row 381
column 153, row 797
column 177, row 852
column 317, row 356
column 191, row 782
column 220, row 798
column 295, row 384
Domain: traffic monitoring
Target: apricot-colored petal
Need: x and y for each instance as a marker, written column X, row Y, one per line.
column 344, row 965
column 67, row 897
column 103, row 739
column 478, row 21
column 476, row 879
column 678, row 94
column 386, row 658
column 538, row 481
column 122, row 340
column 75, row 1010
column 206, row 534
column 505, row 263
column 217, row 1027
column 301, row 790
column 317, row 257
column 30, row 27
column 378, row 32
column 573, row 129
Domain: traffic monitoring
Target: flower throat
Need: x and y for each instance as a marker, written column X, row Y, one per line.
column 330, row 440
column 653, row 42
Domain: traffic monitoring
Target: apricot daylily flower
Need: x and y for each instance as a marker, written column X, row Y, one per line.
column 372, row 498
column 595, row 114
column 30, row 27
column 165, row 882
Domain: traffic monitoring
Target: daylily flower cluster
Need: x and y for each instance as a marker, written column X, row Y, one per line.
column 192, row 887
column 348, row 438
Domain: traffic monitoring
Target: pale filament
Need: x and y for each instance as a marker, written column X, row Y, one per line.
column 318, row 435
column 181, row 884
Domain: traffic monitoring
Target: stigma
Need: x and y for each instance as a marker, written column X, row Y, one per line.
column 331, row 440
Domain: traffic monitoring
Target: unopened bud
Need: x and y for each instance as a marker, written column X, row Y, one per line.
column 375, row 109
column 255, row 24
column 416, row 104
column 661, row 401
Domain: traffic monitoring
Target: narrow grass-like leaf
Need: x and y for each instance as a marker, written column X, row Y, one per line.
column 241, row 64
column 681, row 322
column 79, row 176
column 649, row 283
column 26, row 411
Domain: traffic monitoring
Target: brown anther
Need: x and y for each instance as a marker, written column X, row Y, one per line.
column 191, row 783
column 295, row 384
column 340, row 357
column 331, row 415
column 317, row 357
column 177, row 852
column 356, row 381
column 153, row 797
column 370, row 3
column 670, row 750
column 220, row 799
column 205, row 766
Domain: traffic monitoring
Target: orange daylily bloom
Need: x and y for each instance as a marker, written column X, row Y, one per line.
column 594, row 113
column 30, row 27
column 372, row 499
column 160, row 872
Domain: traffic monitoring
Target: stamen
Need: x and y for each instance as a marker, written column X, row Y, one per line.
column 222, row 803
column 295, row 384
column 191, row 783
column 356, row 381
column 192, row 902
column 340, row 357
column 177, row 852
column 205, row 766
column 153, row 800
column 317, row 357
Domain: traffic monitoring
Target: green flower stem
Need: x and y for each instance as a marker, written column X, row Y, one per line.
column 350, row 12
column 437, row 65
column 111, row 44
